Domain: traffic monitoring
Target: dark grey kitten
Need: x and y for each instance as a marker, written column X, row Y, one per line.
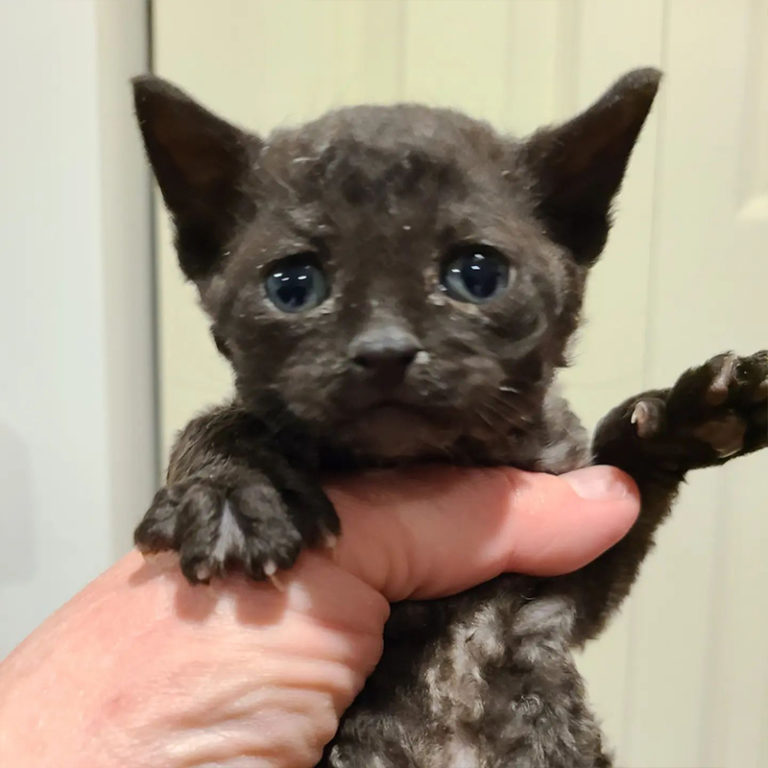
column 398, row 284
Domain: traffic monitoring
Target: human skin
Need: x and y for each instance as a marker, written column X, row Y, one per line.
column 141, row 670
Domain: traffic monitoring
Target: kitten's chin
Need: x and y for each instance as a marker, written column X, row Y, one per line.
column 391, row 432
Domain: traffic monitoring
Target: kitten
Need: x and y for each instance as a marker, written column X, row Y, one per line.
column 398, row 284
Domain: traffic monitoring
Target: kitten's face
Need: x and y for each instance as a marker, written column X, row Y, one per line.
column 425, row 301
column 401, row 278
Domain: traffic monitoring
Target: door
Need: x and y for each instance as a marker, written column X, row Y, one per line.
column 680, row 679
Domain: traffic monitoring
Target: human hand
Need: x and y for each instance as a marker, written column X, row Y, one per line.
column 140, row 670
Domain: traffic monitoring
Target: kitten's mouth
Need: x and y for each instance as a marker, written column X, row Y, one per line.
column 391, row 428
column 396, row 408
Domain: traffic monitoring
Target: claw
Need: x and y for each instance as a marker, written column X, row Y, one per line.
column 270, row 571
column 145, row 549
column 203, row 572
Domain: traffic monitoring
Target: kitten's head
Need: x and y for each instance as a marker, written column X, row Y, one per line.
column 399, row 278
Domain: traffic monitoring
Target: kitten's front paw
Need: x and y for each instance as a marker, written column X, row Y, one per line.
column 713, row 413
column 240, row 519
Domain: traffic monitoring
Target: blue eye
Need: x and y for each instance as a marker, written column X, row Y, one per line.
column 475, row 273
column 296, row 284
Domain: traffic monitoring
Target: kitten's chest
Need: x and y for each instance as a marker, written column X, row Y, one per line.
column 458, row 677
column 470, row 695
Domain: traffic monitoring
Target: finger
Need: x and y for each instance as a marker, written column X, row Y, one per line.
column 437, row 531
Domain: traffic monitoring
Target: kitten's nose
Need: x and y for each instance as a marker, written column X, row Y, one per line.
column 385, row 352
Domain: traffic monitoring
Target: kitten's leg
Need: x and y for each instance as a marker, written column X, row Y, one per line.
column 230, row 501
column 713, row 413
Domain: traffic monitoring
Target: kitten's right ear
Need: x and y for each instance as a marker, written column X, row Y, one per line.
column 201, row 163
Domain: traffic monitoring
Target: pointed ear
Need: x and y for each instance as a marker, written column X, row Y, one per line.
column 201, row 164
column 578, row 167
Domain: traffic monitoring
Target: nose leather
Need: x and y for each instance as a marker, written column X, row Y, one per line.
column 384, row 352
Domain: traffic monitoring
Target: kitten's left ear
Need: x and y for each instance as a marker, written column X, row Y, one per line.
column 201, row 163
column 578, row 167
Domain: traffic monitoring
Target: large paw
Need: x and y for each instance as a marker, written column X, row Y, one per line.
column 238, row 519
column 713, row 413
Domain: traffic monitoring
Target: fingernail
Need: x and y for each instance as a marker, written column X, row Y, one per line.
column 597, row 483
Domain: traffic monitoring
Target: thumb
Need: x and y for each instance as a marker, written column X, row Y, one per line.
column 436, row 531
